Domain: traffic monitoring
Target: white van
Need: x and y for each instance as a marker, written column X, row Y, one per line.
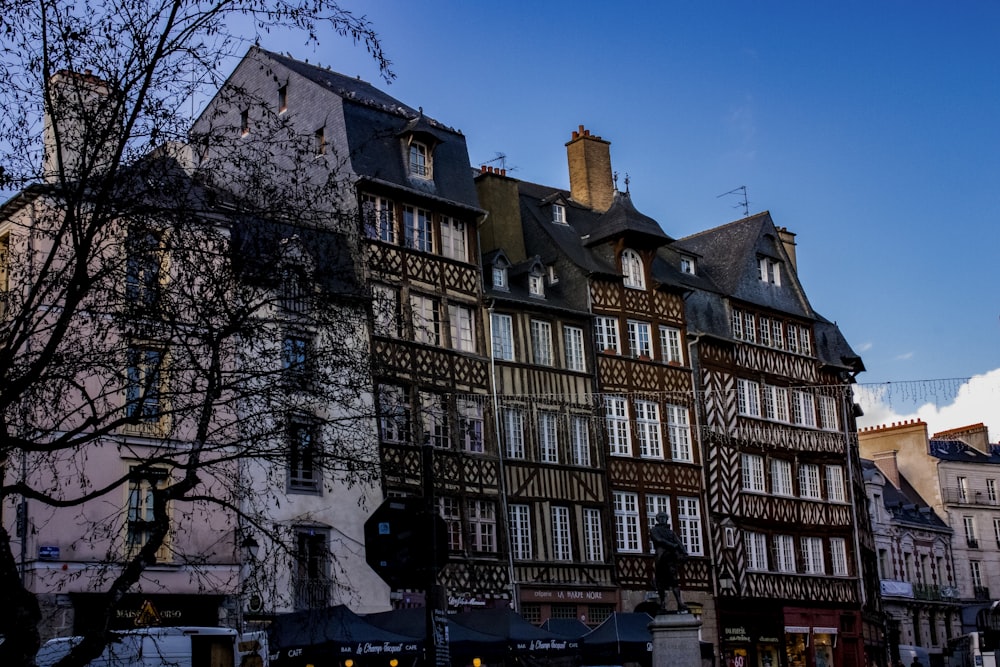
column 170, row 647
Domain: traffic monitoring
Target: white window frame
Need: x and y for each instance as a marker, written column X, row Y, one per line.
column 616, row 418
column 748, row 397
column 670, row 345
column 462, row 324
column 379, row 217
column 503, row 336
column 750, row 327
column 838, row 556
column 991, row 490
column 657, row 504
column 606, row 334
column 451, row 512
column 647, row 424
column 513, row 421
column 737, row 324
column 632, row 270
column 689, row 525
column 765, row 330
column 520, row 531
column 541, row 343
column 536, row 285
column 385, row 310
column 835, row 489
column 593, row 536
column 756, row 545
column 679, row 433
column 562, row 545
column 559, row 214
column 784, row 553
column 418, row 229
column 803, row 409
column 454, row 241
column 640, row 339
column 470, row 424
column 812, row 556
column 781, row 478
column 579, row 434
column 500, row 277
column 434, row 419
column 828, row 418
column 769, row 271
column 482, row 521
column 752, row 472
column 573, row 348
column 425, row 317
column 626, row 509
column 395, row 409
column 548, row 436
column 969, row 525
column 809, row 481
column 419, row 161
column 687, row 265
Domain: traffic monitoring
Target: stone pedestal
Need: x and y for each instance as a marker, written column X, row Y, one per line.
column 675, row 640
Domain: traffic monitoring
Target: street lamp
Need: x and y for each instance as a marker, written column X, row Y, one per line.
column 250, row 548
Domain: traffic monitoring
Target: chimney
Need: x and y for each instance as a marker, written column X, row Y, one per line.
column 82, row 122
column 975, row 435
column 886, row 463
column 590, row 180
column 502, row 227
column 788, row 240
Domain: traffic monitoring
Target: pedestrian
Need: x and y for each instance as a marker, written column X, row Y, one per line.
column 916, row 662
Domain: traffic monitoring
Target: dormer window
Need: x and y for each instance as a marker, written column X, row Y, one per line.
column 687, row 264
column 536, row 285
column 420, row 160
column 559, row 214
column 769, row 271
column 553, row 276
column 632, row 271
column 500, row 277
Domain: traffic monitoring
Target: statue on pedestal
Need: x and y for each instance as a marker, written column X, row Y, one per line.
column 670, row 553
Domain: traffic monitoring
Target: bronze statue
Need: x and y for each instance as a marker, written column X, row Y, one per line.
column 670, row 553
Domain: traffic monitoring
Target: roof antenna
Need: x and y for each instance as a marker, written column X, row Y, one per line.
column 502, row 159
column 615, row 177
column 745, row 205
column 626, row 182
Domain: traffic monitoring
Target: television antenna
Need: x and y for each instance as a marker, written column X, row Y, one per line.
column 745, row 205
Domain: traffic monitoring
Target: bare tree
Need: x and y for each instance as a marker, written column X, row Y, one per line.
column 204, row 322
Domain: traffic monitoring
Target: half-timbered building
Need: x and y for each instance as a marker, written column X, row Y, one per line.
column 783, row 478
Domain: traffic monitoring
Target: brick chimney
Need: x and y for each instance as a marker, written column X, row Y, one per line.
column 82, row 121
column 975, row 436
column 886, row 463
column 590, row 180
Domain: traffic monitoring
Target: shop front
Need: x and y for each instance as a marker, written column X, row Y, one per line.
column 588, row 606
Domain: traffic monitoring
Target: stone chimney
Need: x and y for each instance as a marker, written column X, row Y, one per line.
column 82, row 122
column 502, row 227
column 788, row 240
column 975, row 436
column 590, row 180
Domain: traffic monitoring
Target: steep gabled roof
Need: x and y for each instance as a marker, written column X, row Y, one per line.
column 959, row 451
column 729, row 257
column 624, row 220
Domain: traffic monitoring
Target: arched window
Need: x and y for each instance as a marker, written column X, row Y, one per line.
column 632, row 270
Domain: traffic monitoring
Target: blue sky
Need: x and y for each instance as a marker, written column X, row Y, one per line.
column 870, row 129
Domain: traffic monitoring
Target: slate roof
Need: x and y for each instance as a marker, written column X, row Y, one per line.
column 376, row 124
column 623, row 220
column 904, row 503
column 959, row 451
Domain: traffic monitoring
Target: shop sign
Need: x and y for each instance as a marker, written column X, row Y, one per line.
column 567, row 596
column 735, row 634
column 465, row 601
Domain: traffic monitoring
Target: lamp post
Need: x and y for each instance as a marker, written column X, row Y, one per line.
column 249, row 548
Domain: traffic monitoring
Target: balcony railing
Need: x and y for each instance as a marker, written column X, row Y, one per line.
column 311, row 594
column 981, row 593
column 933, row 592
column 972, row 542
column 955, row 496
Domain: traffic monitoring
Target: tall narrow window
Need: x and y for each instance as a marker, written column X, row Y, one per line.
column 657, row 504
column 503, row 337
column 520, row 531
column 377, row 215
column 838, row 556
column 689, row 525
column 244, row 122
column 311, row 580
column 303, row 475
column 756, row 544
column 500, row 277
column 319, row 142
column 781, row 477
column 971, row 538
column 835, row 484
column 385, row 310
column 548, row 438
column 804, row 409
column 632, row 270
column 434, row 415
column 748, row 397
column 143, row 267
column 640, row 339
column 573, row 344
column 462, row 328
column 670, row 345
column 752, row 471
column 482, row 526
column 963, row 489
column 283, row 99
column 593, row 536
column 616, row 414
column 991, row 491
column 812, row 555
column 536, row 285
column 809, row 481
column 828, row 414
column 513, row 421
column 606, row 334
column 426, row 319
column 141, row 518
column 647, row 424
column 143, row 391
column 679, row 431
column 579, row 434
column 454, row 242
column 562, row 548
column 541, row 342
column 451, row 512
column 394, row 414
column 626, row 508
column 470, row 424
column 420, row 163
column 559, row 214
column 784, row 553
column 417, row 231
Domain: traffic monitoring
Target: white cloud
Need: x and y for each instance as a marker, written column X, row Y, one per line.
column 864, row 347
column 942, row 404
column 906, row 356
